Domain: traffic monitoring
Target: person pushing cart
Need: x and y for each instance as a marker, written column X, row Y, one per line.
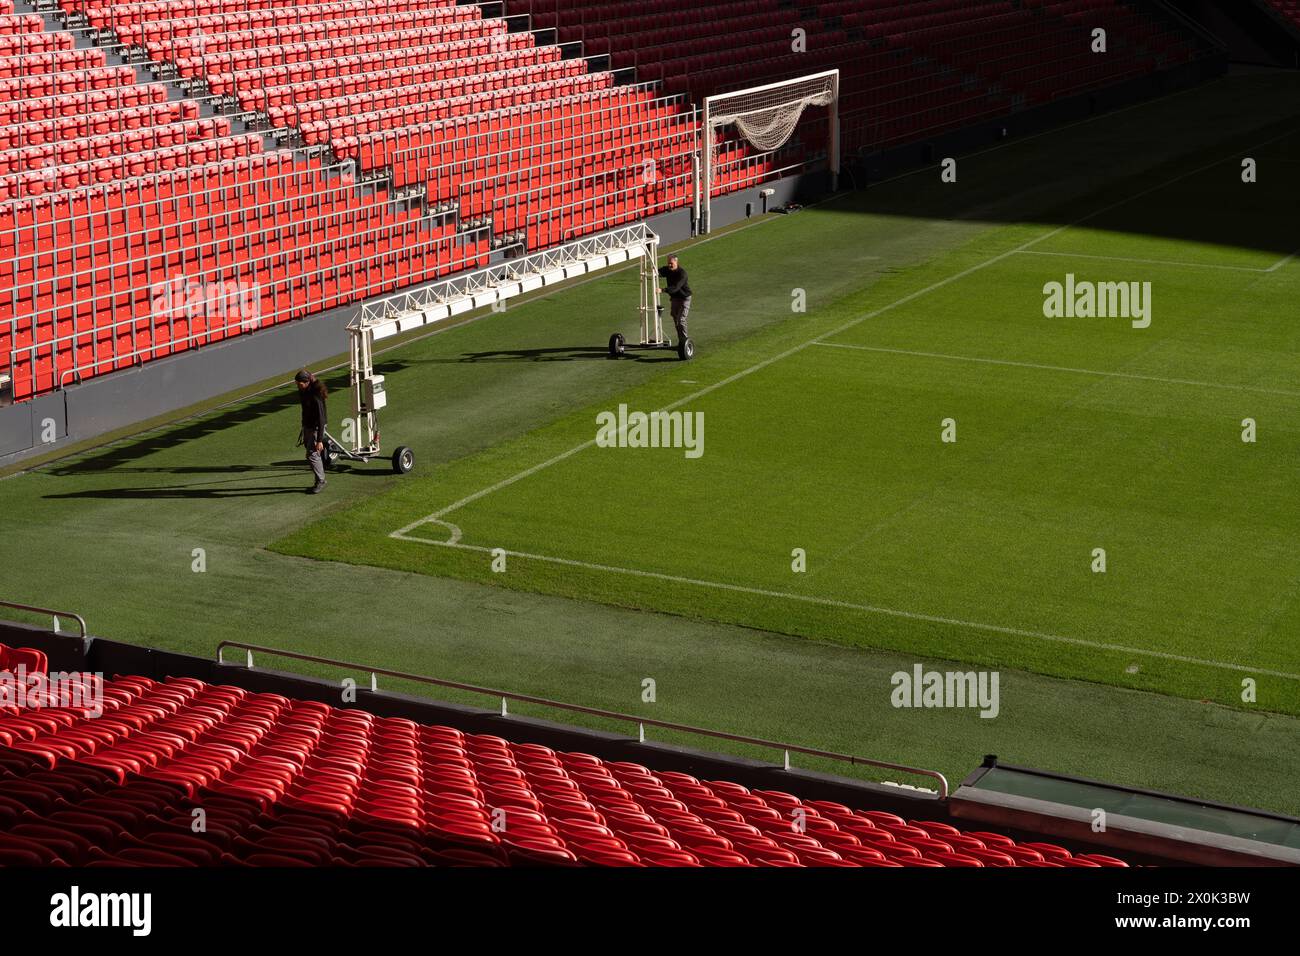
column 678, row 289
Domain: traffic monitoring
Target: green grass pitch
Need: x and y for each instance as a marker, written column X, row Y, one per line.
column 823, row 432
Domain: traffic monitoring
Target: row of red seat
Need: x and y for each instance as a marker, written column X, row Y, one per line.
column 73, row 81
column 307, row 92
column 313, row 117
column 308, row 31
column 584, row 201
column 28, row 658
column 233, row 61
column 138, row 29
column 290, row 782
column 193, row 204
column 389, row 122
column 97, row 123
column 475, row 177
column 22, row 44
column 407, row 150
column 329, row 65
column 126, row 165
column 11, row 23
column 105, row 145
column 60, row 61
column 15, row 112
column 563, row 212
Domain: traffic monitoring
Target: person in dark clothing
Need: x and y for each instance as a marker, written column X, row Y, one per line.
column 678, row 290
column 312, row 394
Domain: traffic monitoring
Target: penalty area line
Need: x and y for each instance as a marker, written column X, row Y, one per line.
column 457, row 544
column 1062, row 368
column 1152, row 262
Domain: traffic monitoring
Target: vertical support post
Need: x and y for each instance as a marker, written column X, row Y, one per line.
column 835, row 132
column 360, row 370
column 652, row 331
column 695, row 193
column 706, row 160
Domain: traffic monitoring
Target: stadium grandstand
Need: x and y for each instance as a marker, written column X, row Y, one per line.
column 297, row 783
column 842, row 639
column 175, row 174
column 98, row 772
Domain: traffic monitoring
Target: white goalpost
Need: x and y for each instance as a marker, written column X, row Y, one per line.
column 766, row 117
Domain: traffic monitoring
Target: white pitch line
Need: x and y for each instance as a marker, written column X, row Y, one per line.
column 1151, row 262
column 1281, row 262
column 847, row 605
column 1063, row 368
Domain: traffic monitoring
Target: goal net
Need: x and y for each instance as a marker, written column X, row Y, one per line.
column 766, row 117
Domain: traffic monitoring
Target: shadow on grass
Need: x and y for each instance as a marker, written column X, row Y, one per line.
column 179, row 491
column 567, row 354
column 116, row 456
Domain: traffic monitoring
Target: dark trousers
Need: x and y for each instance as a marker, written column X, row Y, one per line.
column 314, row 459
column 681, row 308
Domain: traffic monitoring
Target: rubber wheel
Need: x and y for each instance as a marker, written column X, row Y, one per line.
column 403, row 460
column 685, row 350
column 617, row 345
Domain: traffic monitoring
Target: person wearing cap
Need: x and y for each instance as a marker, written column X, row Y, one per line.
column 678, row 291
column 312, row 394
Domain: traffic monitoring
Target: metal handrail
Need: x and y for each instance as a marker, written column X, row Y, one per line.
column 641, row 722
column 81, row 621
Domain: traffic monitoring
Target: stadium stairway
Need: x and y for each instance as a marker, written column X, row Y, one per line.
column 284, row 782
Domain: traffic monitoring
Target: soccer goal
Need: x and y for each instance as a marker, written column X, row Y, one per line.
column 766, row 117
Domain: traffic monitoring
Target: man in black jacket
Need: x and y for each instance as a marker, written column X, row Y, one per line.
column 678, row 291
column 312, row 394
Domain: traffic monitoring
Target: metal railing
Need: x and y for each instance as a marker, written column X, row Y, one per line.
column 641, row 722
column 56, row 614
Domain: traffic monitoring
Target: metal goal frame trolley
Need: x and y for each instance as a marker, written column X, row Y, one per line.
column 474, row 290
column 368, row 397
column 651, row 315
